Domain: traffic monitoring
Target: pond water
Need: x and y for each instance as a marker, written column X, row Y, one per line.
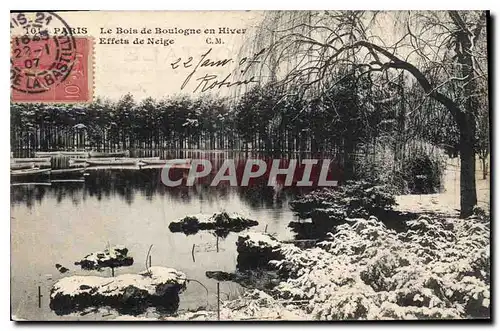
column 64, row 221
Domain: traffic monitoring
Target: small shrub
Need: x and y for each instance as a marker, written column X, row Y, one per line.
column 419, row 172
column 423, row 172
column 381, row 167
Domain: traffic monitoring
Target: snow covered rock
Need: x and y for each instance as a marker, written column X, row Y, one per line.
column 255, row 250
column 128, row 293
column 111, row 258
column 221, row 223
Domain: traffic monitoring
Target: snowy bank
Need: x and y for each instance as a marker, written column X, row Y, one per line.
column 254, row 305
column 438, row 268
column 157, row 286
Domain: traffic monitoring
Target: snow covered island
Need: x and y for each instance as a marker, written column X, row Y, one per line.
column 112, row 257
column 220, row 223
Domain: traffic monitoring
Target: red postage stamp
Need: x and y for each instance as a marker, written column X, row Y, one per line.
column 50, row 68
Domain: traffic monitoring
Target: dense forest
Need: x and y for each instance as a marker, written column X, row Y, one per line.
column 352, row 118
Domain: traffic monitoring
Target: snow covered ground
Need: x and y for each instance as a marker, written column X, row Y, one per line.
column 448, row 201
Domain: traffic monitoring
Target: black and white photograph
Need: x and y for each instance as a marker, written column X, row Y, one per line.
column 327, row 165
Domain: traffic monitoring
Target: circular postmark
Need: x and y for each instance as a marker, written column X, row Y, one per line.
column 43, row 51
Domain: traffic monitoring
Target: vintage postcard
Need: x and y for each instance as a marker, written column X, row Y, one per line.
column 249, row 165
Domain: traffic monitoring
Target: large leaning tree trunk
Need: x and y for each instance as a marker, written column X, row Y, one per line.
column 444, row 51
column 464, row 118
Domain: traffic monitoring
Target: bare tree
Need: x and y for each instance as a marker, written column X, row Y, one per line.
column 444, row 52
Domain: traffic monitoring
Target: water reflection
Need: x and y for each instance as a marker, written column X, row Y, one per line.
column 127, row 183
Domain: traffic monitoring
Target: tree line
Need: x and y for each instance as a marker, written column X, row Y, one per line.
column 348, row 122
